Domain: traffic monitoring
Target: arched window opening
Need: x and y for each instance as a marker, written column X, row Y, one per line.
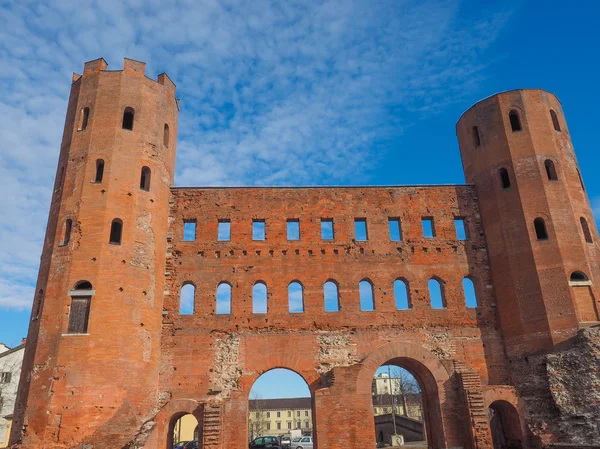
column 183, row 428
column 67, row 232
column 295, row 298
column 166, row 135
column 367, row 302
column 578, row 276
column 269, row 414
column 550, row 170
column 259, row 298
column 187, row 299
column 331, row 294
column 399, row 403
column 223, row 299
column 555, row 120
column 79, row 312
column 586, row 230
column 580, row 180
column 504, row 178
column 469, row 291
column 401, row 295
column 128, row 115
column 515, row 121
column 505, row 425
column 540, row 229
column 436, row 294
column 116, row 231
column 85, row 114
column 145, row 179
column 476, row 139
column 99, row 171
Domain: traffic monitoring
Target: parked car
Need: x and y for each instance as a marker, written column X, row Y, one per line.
column 186, row 445
column 302, row 443
column 286, row 442
column 265, row 442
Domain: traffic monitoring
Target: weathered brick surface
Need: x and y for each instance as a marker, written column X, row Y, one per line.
column 142, row 364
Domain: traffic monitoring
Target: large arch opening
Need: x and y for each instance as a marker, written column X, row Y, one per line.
column 280, row 411
column 505, row 425
column 399, row 406
column 184, row 432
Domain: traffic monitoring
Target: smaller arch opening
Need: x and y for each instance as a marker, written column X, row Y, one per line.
column 505, row 425
column 67, row 232
column 187, row 299
column 476, row 138
column 184, row 432
column 436, row 294
column 99, row 171
column 550, row 170
column 116, row 231
column 259, row 298
column 401, row 294
column 295, row 297
column 331, row 296
column 515, row 121
column 367, row 301
column 145, row 179
column 541, row 232
column 469, row 292
column 83, row 285
column 85, row 114
column 166, row 135
column 555, row 120
column 223, row 299
column 579, row 276
column 504, row 178
column 128, row 116
column 586, row 230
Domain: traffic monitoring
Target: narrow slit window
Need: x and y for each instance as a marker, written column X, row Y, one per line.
column 258, row 230
column 128, row 115
column 586, row 230
column 166, row 135
column 331, row 296
column 59, row 179
column 116, row 231
column 550, row 170
column 327, row 229
column 189, row 230
column 555, row 120
column 224, row 231
column 540, row 229
column 67, row 232
column 223, row 299
column 360, row 229
column 504, row 178
column 395, row 230
column 295, row 298
column 469, row 292
column 99, row 171
column 145, row 179
column 428, row 227
column 515, row 121
column 259, row 298
column 187, row 299
column 580, row 180
column 293, row 229
column 436, row 294
column 79, row 312
column 38, row 305
column 367, row 302
column 476, row 139
column 461, row 229
column 85, row 115
column 401, row 295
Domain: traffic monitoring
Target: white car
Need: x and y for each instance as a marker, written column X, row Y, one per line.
column 302, row 443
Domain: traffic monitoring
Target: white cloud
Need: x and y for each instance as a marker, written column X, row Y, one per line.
column 295, row 92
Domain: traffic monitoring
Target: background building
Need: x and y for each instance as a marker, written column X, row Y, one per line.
column 279, row 416
column 11, row 361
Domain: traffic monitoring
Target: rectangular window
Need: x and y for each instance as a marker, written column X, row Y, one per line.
column 289, row 424
column 279, row 414
column 461, row 229
column 395, row 232
column 278, row 426
column 327, row 228
column 428, row 228
column 258, row 229
column 293, row 229
column 306, row 413
column 79, row 314
column 268, row 426
column 298, row 413
column 224, row 231
column 360, row 229
column 5, row 377
column 289, row 413
column 189, row 230
column 268, row 414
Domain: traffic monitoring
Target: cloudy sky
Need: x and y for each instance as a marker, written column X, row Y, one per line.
column 295, row 92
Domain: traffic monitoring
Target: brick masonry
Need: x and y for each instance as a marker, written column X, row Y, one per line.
column 142, row 364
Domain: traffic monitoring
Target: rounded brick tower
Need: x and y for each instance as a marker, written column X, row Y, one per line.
column 91, row 364
column 539, row 227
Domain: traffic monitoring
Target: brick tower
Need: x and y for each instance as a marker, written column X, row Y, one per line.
column 539, row 227
column 96, row 321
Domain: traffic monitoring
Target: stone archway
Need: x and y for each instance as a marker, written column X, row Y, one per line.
column 505, row 425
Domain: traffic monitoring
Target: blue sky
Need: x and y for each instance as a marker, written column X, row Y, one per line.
column 297, row 92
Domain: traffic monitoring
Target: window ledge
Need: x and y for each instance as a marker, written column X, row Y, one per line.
column 74, row 335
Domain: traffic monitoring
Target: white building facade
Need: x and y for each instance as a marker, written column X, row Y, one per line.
column 10, row 373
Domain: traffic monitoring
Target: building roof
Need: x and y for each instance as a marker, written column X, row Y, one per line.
column 280, row 404
column 10, row 351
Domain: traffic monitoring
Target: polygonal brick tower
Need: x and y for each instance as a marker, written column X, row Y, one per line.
column 539, row 227
column 94, row 340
